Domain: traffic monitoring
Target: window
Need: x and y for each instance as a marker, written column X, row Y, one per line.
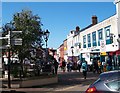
column 107, row 31
column 94, row 38
column 84, row 41
column 100, row 36
column 114, row 85
column 89, row 40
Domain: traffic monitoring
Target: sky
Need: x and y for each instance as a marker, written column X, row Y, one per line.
column 60, row 17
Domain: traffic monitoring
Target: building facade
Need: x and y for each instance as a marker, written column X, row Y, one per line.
column 99, row 40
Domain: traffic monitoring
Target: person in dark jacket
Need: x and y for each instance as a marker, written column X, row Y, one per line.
column 63, row 65
column 56, row 65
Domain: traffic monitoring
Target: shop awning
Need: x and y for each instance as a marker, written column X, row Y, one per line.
column 117, row 52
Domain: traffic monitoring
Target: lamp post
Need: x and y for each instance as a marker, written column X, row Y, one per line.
column 72, row 52
column 46, row 36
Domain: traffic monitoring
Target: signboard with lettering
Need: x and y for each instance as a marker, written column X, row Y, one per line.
column 17, row 41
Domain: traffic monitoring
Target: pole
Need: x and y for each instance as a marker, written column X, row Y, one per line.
column 9, row 83
column 46, row 49
column 72, row 55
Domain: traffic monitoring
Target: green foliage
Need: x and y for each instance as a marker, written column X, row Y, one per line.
column 30, row 25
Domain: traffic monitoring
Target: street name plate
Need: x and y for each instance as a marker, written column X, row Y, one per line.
column 18, row 41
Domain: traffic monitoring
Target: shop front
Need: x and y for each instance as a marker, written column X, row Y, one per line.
column 115, row 59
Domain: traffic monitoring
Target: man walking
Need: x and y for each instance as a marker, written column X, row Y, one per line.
column 56, row 65
column 84, row 68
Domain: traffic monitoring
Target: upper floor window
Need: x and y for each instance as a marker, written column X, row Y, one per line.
column 89, row 40
column 100, row 36
column 94, row 38
column 107, row 31
column 84, row 41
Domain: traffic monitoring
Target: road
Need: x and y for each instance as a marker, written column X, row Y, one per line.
column 67, row 82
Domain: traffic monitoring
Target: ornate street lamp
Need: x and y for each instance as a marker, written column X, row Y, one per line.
column 46, row 36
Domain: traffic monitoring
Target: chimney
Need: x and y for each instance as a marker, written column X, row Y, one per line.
column 77, row 28
column 94, row 20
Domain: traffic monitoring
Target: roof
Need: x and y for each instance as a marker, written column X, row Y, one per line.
column 110, row 75
column 86, row 27
column 97, row 23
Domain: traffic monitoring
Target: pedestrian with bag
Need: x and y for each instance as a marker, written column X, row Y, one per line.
column 84, row 68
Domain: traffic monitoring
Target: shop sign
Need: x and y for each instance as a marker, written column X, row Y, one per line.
column 103, row 53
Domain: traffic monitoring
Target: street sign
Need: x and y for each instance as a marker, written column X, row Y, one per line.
column 103, row 53
column 17, row 41
column 16, row 31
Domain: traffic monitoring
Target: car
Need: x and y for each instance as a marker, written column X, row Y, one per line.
column 108, row 82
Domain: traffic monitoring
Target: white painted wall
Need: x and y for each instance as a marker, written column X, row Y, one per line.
column 76, row 39
column 113, row 29
column 70, row 43
column 117, row 2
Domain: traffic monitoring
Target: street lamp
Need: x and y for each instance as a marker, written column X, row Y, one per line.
column 46, row 36
column 72, row 52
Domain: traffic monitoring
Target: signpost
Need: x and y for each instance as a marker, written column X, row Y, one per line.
column 12, row 40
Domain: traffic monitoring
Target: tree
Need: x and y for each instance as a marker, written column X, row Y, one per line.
column 30, row 25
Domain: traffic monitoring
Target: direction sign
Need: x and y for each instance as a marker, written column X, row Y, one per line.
column 17, row 41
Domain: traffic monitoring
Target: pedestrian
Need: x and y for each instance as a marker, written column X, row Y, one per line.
column 99, row 66
column 68, row 66
column 95, row 66
column 104, row 67
column 63, row 65
column 109, row 64
column 56, row 65
column 79, row 65
column 84, row 68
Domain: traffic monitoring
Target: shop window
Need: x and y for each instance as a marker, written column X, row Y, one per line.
column 84, row 41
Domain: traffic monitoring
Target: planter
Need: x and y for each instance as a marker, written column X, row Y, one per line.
column 30, row 82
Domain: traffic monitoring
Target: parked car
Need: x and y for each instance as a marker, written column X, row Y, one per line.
column 108, row 82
